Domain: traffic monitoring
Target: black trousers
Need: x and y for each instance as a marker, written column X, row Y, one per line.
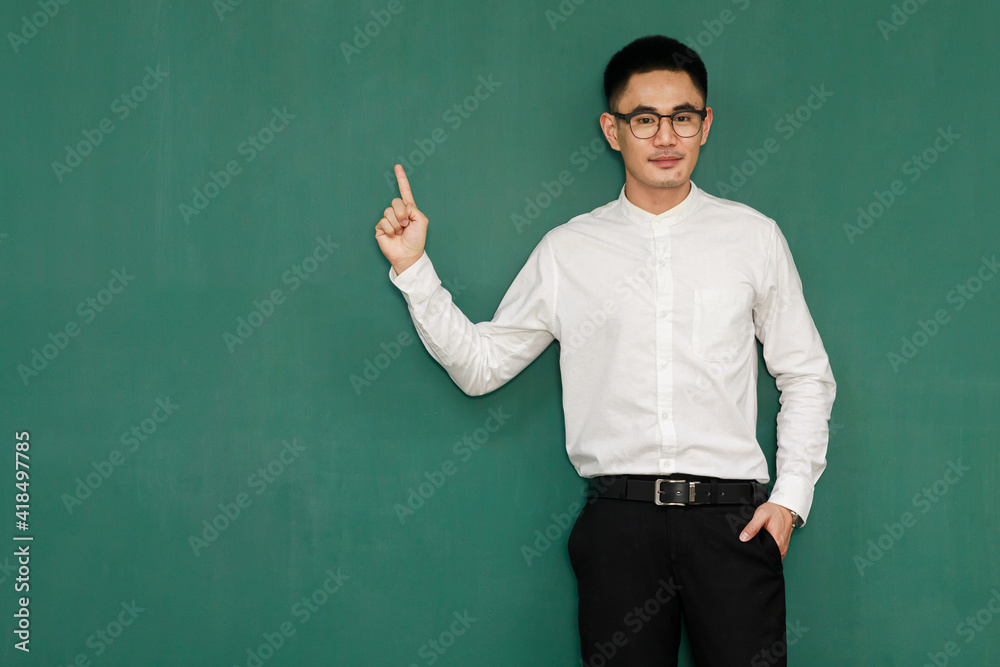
column 641, row 567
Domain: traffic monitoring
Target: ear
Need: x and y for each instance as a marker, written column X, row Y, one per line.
column 609, row 127
column 706, row 125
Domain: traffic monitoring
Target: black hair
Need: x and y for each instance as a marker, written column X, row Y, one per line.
column 648, row 54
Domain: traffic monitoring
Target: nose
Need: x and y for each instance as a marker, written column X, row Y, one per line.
column 665, row 135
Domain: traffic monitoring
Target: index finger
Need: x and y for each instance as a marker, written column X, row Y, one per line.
column 404, row 186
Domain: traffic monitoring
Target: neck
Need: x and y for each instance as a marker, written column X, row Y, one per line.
column 656, row 200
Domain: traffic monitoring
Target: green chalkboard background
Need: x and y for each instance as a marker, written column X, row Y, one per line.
column 197, row 320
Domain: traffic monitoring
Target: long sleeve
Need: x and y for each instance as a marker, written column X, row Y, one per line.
column 482, row 357
column 795, row 356
column 644, row 390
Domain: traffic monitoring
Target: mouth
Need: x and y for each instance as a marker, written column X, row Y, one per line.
column 667, row 161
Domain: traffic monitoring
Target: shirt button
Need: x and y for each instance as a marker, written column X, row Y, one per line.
column 663, row 313
column 663, row 262
column 665, row 414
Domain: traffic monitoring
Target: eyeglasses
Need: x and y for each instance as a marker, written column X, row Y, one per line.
column 645, row 124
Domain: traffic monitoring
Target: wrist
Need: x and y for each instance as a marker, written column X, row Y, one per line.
column 404, row 264
column 792, row 514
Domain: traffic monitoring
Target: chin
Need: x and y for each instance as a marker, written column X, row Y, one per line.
column 670, row 179
column 651, row 176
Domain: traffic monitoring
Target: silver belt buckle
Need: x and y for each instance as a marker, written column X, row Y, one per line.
column 656, row 495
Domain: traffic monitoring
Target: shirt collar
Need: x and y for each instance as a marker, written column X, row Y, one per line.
column 676, row 214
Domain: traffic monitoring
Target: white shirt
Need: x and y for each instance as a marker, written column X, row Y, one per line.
column 656, row 317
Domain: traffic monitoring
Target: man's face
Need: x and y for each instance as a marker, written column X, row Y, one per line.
column 664, row 160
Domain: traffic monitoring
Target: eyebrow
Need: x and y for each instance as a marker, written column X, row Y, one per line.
column 684, row 106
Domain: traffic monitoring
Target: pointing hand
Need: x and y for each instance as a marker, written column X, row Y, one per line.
column 402, row 231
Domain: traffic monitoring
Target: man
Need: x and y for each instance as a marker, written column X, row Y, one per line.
column 656, row 299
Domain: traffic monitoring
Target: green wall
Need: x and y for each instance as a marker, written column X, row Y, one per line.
column 241, row 176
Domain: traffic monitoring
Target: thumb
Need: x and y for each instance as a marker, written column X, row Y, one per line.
column 753, row 527
column 413, row 215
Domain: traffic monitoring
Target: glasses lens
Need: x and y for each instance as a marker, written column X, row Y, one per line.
column 645, row 125
column 687, row 124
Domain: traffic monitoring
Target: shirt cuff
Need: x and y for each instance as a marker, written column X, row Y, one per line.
column 796, row 494
column 418, row 281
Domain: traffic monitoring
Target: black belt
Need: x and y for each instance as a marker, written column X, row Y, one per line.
column 671, row 491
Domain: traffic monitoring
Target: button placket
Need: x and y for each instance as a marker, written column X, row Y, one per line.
column 664, row 301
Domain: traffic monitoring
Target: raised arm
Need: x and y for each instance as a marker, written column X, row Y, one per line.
column 478, row 357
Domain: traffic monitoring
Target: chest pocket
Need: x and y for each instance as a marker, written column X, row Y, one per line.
column 723, row 325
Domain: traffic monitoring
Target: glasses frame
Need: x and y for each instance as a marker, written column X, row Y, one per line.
column 627, row 117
